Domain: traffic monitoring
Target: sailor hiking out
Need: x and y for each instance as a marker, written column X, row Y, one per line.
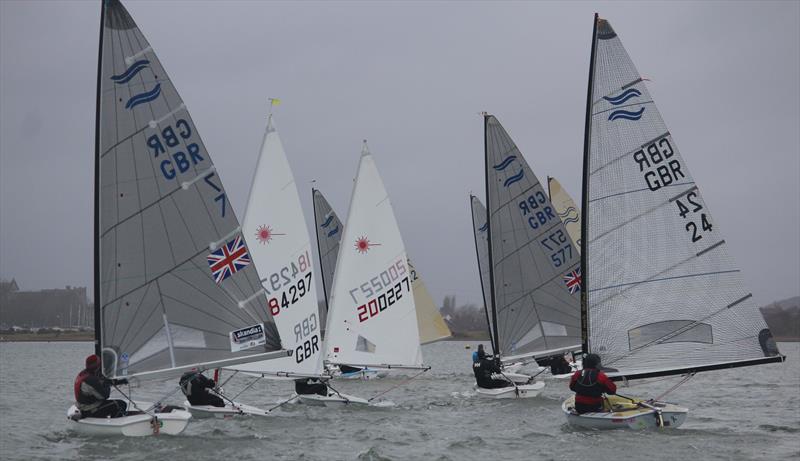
column 484, row 367
column 199, row 389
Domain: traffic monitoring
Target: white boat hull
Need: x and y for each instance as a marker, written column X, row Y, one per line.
column 333, row 400
column 518, row 378
column 228, row 411
column 626, row 415
column 525, row 391
column 141, row 425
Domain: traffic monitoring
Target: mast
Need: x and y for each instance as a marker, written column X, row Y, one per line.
column 496, row 339
column 587, row 144
column 97, row 320
column 549, row 192
column 480, row 274
column 319, row 250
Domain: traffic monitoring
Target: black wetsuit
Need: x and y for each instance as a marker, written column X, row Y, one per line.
column 560, row 366
column 310, row 386
column 483, row 369
column 197, row 389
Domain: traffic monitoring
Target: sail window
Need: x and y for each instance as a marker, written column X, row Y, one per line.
column 665, row 332
column 364, row 345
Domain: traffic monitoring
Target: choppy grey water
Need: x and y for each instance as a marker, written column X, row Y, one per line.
column 746, row 413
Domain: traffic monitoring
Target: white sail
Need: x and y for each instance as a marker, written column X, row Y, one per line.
column 372, row 317
column 430, row 323
column 664, row 295
column 276, row 233
column 533, row 266
column 567, row 211
column 174, row 283
column 329, row 228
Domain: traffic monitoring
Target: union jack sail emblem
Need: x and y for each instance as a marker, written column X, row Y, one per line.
column 229, row 259
column 573, row 281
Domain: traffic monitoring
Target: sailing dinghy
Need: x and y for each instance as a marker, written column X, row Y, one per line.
column 660, row 293
column 372, row 321
column 479, row 228
column 532, row 268
column 174, row 286
column 275, row 230
column 329, row 230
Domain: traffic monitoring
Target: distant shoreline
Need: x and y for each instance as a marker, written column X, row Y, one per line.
column 89, row 337
column 46, row 337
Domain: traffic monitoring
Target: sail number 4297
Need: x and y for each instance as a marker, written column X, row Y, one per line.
column 293, row 281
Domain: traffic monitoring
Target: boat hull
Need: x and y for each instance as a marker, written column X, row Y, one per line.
column 141, row 425
column 333, row 400
column 519, row 378
column 627, row 415
column 228, row 411
column 525, row 391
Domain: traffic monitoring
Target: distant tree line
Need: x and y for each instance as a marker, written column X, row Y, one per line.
column 783, row 318
column 465, row 321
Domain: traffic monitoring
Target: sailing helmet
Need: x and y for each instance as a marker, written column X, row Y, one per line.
column 92, row 362
column 591, row 361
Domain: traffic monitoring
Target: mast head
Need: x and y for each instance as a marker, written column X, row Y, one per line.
column 604, row 30
column 364, row 148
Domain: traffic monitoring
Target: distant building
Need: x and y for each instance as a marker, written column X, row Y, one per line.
column 67, row 307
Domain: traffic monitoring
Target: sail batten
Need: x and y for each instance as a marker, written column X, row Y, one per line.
column 662, row 294
column 171, row 270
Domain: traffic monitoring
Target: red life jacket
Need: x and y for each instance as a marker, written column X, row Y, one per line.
column 589, row 386
column 80, row 397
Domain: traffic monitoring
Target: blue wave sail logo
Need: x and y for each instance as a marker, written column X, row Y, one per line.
column 569, row 220
column 130, row 72
column 327, row 222
column 567, row 212
column 624, row 96
column 505, row 163
column 512, row 179
column 569, row 215
column 626, row 114
column 142, row 98
column 484, row 227
column 333, row 231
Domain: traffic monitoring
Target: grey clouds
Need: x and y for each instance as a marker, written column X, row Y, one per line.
column 411, row 77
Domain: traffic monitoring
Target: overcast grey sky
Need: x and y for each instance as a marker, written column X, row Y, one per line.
column 411, row 77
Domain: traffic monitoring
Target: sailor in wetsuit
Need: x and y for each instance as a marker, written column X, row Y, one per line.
column 589, row 386
column 559, row 366
column 483, row 368
column 92, row 390
column 198, row 389
column 310, row 386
